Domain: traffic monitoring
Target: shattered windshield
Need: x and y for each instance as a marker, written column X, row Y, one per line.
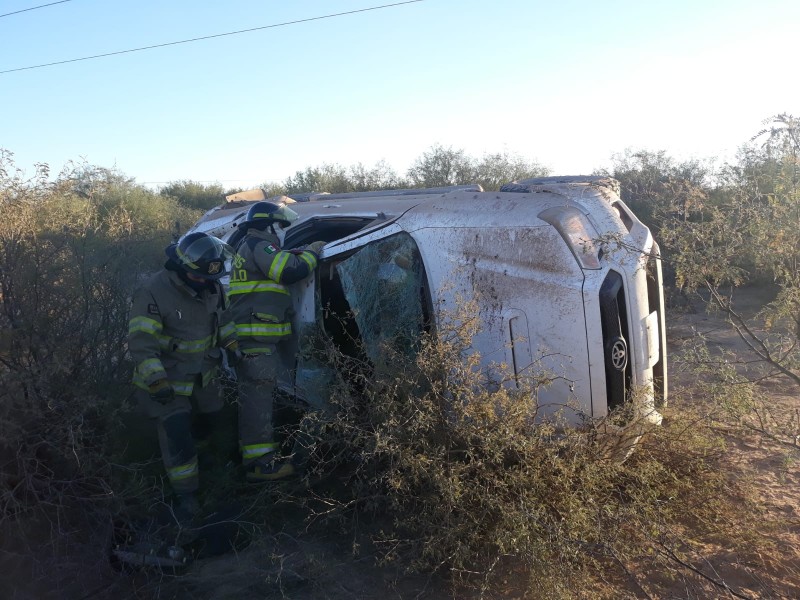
column 383, row 285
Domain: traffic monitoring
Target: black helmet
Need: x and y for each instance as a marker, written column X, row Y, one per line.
column 201, row 254
column 262, row 214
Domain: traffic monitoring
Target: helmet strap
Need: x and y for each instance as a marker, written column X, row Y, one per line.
column 197, row 286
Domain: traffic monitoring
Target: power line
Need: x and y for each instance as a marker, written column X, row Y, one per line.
column 16, row 12
column 208, row 37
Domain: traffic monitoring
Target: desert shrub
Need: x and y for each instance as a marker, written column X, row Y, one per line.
column 195, row 195
column 463, row 479
column 444, row 166
column 436, row 167
column 71, row 250
column 334, row 178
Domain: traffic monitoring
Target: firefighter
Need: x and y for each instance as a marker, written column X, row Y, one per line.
column 260, row 305
column 178, row 323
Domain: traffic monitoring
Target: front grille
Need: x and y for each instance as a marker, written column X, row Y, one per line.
column 616, row 352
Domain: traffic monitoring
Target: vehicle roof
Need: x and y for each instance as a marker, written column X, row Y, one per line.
column 462, row 205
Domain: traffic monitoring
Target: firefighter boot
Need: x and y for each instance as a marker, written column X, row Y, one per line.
column 185, row 509
column 269, row 469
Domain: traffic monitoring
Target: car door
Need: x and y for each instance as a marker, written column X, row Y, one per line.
column 369, row 296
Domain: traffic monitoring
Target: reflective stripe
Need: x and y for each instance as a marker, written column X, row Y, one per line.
column 189, row 346
column 195, row 345
column 185, row 346
column 264, row 330
column 163, row 341
column 150, row 327
column 184, row 258
column 182, row 388
column 144, row 325
column 257, row 450
column 267, row 318
column 278, row 264
column 182, row 472
column 310, row 260
column 262, row 350
column 249, row 287
column 150, row 366
column 227, row 330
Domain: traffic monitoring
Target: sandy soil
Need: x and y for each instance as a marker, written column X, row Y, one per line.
column 771, row 463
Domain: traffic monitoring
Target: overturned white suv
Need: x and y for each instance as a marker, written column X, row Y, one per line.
column 565, row 277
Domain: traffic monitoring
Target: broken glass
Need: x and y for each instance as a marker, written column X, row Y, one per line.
column 383, row 285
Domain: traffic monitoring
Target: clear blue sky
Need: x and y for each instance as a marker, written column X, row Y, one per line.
column 564, row 83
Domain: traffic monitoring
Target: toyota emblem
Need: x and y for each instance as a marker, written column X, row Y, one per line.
column 619, row 354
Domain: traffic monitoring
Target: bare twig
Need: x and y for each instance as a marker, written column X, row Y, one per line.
column 670, row 553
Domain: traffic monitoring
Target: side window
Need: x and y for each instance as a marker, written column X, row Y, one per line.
column 383, row 284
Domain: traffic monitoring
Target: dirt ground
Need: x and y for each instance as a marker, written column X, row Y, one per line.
column 771, row 463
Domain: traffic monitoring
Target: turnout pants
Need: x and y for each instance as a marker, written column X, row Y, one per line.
column 257, row 376
column 174, row 425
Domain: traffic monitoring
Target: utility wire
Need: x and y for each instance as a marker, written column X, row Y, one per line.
column 208, row 37
column 16, row 12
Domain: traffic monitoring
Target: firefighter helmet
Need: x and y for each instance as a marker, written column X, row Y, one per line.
column 267, row 213
column 201, row 254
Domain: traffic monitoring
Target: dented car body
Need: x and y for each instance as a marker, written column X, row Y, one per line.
column 564, row 277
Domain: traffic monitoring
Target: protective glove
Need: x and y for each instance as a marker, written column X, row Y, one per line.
column 161, row 391
column 235, row 355
column 316, row 247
